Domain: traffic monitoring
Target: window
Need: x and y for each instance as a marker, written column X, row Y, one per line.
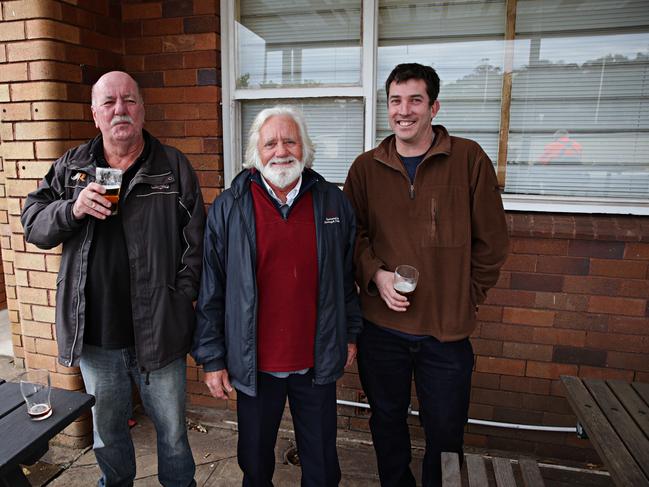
column 298, row 43
column 580, row 100
column 556, row 92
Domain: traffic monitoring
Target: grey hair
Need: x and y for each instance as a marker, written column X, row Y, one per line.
column 252, row 158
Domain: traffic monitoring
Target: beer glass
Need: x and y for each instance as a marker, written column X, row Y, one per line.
column 35, row 389
column 405, row 279
column 111, row 179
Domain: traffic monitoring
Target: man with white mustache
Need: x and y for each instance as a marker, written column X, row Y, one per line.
column 127, row 279
column 430, row 200
column 277, row 313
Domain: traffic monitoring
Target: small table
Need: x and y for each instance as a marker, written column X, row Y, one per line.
column 615, row 416
column 23, row 440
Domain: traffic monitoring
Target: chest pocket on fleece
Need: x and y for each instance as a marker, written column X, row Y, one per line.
column 444, row 216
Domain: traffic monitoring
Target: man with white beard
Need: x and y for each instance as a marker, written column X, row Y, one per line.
column 277, row 313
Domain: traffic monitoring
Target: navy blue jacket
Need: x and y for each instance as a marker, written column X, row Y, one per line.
column 226, row 331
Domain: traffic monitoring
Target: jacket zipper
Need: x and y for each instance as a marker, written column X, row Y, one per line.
column 76, row 331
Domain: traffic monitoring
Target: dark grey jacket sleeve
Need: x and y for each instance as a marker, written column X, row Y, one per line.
column 47, row 216
column 191, row 201
column 352, row 306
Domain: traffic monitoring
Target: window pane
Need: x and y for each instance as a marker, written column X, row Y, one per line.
column 298, row 43
column 580, row 99
column 335, row 127
column 462, row 40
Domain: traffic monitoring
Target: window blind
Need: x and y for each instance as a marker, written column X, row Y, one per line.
column 298, row 43
column 580, row 99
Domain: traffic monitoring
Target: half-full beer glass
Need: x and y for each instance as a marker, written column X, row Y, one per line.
column 111, row 179
column 405, row 279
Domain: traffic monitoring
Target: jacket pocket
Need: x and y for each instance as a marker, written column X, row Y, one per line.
column 446, row 218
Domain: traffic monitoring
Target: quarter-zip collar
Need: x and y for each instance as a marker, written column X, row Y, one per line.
column 387, row 154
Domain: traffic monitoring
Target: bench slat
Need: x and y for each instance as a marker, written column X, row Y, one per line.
column 503, row 472
column 634, row 404
column 451, row 470
column 476, row 471
column 642, row 389
column 531, row 473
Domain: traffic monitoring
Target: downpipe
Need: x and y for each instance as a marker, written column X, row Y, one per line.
column 481, row 422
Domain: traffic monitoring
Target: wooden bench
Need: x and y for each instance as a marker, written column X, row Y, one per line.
column 503, row 474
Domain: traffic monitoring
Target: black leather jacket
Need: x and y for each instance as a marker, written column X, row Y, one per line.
column 226, row 331
column 163, row 217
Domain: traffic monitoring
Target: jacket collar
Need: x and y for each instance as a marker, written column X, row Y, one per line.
column 387, row 153
column 87, row 155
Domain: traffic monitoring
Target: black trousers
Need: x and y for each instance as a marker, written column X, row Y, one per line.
column 313, row 408
column 442, row 371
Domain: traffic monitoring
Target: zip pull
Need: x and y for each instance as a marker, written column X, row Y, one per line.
column 412, row 191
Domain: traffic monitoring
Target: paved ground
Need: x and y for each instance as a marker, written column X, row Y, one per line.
column 212, row 434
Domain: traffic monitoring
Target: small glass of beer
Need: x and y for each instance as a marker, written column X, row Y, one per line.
column 111, row 179
column 405, row 279
column 35, row 389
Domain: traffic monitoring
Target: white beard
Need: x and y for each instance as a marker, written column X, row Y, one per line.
column 281, row 176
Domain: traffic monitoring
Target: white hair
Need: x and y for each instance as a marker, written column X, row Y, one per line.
column 252, row 158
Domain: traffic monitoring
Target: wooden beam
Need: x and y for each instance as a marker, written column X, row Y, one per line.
column 506, row 92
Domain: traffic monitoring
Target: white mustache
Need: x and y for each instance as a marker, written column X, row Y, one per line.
column 121, row 119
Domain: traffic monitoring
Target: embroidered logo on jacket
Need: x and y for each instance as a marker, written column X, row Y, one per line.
column 331, row 219
column 80, row 176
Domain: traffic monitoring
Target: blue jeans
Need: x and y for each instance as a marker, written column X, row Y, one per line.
column 107, row 375
column 442, row 371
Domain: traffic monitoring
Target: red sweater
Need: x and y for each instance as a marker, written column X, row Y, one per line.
column 287, row 283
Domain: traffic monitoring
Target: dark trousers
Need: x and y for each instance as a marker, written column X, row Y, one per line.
column 313, row 408
column 442, row 371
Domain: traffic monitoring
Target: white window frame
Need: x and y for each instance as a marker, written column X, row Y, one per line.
column 231, row 112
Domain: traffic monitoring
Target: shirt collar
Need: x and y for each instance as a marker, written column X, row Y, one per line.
column 290, row 197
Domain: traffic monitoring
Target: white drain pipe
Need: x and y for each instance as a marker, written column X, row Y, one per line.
column 481, row 422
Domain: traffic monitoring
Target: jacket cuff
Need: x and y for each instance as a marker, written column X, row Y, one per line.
column 368, row 279
column 72, row 221
column 214, row 365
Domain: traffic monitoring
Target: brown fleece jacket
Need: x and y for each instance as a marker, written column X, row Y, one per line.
column 450, row 224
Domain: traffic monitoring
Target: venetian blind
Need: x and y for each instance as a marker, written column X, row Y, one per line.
column 580, row 99
column 298, row 43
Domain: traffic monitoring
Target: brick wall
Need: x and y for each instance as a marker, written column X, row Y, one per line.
column 50, row 54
